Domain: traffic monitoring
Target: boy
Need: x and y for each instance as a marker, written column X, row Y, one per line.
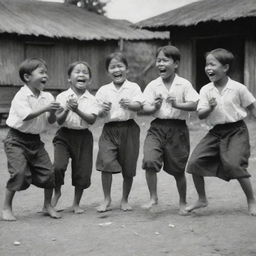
column 168, row 98
column 225, row 150
column 28, row 162
column 119, row 142
column 74, row 140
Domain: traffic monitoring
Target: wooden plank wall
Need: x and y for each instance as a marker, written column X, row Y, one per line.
column 186, row 67
column 11, row 54
column 250, row 64
column 58, row 54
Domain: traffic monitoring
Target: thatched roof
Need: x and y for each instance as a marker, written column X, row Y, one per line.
column 200, row 12
column 58, row 20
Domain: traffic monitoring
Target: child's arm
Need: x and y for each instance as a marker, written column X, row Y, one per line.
column 61, row 115
column 73, row 106
column 205, row 112
column 104, row 108
column 89, row 118
column 187, row 106
column 131, row 105
column 252, row 109
column 52, row 107
column 149, row 109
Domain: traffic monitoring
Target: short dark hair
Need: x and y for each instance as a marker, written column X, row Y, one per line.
column 118, row 56
column 170, row 51
column 223, row 56
column 29, row 65
column 73, row 64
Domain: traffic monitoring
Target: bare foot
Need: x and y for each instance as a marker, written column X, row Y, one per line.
column 183, row 211
column 149, row 204
column 55, row 199
column 77, row 209
column 197, row 205
column 7, row 215
column 44, row 211
column 52, row 212
column 252, row 208
column 104, row 207
column 125, row 206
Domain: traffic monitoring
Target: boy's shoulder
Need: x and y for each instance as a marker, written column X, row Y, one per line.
column 182, row 80
column 236, row 84
column 106, row 86
column 22, row 93
column 131, row 84
column 207, row 87
column 154, row 82
column 64, row 93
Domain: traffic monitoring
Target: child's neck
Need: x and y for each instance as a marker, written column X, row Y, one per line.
column 35, row 91
column 222, row 82
column 168, row 81
column 118, row 85
column 78, row 92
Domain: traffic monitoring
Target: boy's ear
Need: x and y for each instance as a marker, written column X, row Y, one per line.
column 177, row 63
column 226, row 68
column 26, row 77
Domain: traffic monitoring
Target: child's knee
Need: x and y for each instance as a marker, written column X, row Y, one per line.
column 19, row 182
column 151, row 165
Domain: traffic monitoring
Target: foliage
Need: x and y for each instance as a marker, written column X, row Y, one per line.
column 96, row 6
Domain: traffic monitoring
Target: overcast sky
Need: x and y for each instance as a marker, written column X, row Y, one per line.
column 137, row 10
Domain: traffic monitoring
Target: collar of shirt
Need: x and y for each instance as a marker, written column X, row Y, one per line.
column 123, row 86
column 176, row 81
column 27, row 91
column 228, row 86
column 70, row 92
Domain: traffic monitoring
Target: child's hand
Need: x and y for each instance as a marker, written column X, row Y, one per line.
column 72, row 104
column 158, row 101
column 124, row 103
column 212, row 103
column 106, row 106
column 172, row 100
column 53, row 106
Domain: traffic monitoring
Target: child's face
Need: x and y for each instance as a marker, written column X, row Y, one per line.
column 166, row 66
column 38, row 78
column 214, row 69
column 117, row 71
column 80, row 77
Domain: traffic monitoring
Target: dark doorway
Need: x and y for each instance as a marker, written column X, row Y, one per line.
column 234, row 44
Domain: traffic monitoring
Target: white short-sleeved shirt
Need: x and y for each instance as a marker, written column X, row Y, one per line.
column 231, row 102
column 86, row 103
column 23, row 104
column 181, row 89
column 109, row 93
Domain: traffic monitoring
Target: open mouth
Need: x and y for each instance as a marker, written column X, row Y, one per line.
column 117, row 76
column 81, row 80
column 210, row 73
column 162, row 70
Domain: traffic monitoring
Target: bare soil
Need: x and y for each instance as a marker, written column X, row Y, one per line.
column 224, row 228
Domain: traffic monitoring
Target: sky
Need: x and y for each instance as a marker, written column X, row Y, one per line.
column 137, row 10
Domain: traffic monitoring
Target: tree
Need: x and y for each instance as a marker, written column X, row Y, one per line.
column 96, row 6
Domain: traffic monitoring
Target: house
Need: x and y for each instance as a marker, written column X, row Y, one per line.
column 60, row 34
column 204, row 25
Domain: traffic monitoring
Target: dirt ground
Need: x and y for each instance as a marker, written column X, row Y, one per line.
column 224, row 228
